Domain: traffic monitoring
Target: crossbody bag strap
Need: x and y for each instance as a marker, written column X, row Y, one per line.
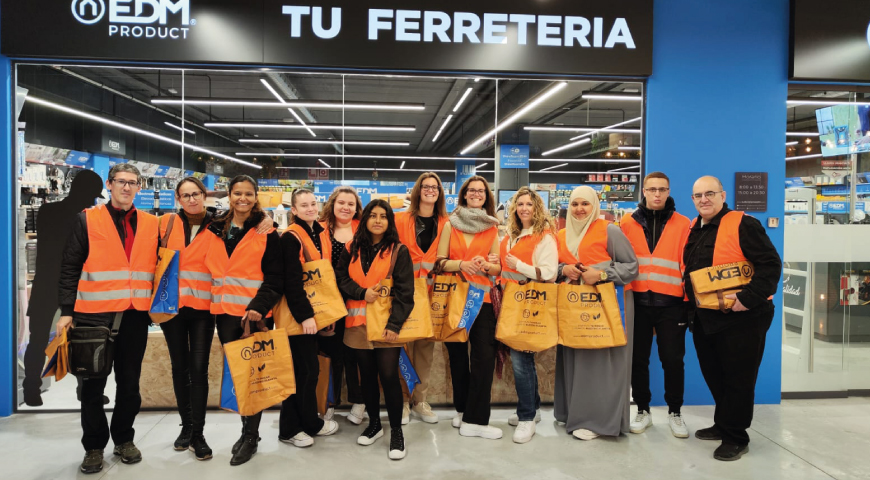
column 305, row 254
column 116, row 325
column 394, row 251
column 165, row 240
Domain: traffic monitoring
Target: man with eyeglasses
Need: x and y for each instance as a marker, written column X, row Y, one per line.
column 730, row 344
column 108, row 270
column 658, row 233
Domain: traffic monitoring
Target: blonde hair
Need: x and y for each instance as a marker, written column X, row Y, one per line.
column 541, row 221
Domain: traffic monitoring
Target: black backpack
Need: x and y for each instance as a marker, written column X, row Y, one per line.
column 91, row 349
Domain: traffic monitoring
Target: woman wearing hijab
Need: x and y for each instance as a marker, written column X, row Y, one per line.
column 592, row 386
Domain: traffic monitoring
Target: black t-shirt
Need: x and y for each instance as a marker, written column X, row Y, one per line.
column 427, row 236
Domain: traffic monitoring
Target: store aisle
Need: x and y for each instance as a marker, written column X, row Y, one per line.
column 800, row 439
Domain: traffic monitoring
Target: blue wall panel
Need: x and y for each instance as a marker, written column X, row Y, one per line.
column 7, row 243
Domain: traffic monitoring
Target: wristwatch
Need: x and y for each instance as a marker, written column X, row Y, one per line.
column 603, row 276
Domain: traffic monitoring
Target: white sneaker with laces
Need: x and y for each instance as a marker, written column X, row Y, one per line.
column 482, row 431
column 424, row 411
column 301, row 440
column 583, row 434
column 357, row 413
column 641, row 422
column 330, row 412
column 514, row 419
column 457, row 420
column 524, row 432
column 329, row 428
column 406, row 413
column 678, row 427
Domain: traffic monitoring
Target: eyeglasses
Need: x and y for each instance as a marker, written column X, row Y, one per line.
column 125, row 183
column 185, row 197
column 653, row 191
column 430, row 188
column 707, row 195
column 474, row 191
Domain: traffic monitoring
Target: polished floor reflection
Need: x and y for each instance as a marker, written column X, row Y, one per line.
column 800, row 439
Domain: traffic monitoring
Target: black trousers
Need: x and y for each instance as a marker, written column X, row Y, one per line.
column 299, row 411
column 188, row 339
column 670, row 325
column 383, row 364
column 472, row 377
column 41, row 317
column 343, row 361
column 729, row 361
column 129, row 351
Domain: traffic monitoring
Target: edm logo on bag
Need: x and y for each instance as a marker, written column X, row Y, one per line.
column 261, row 349
column 384, row 291
column 441, row 287
column 534, row 296
column 312, row 276
column 137, row 18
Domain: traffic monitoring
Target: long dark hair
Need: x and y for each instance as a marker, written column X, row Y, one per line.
column 363, row 239
column 488, row 203
column 256, row 210
column 417, row 194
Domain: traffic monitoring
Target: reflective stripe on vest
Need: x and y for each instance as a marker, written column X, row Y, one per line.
column 592, row 251
column 659, row 271
column 194, row 279
column 109, row 282
column 380, row 268
column 237, row 279
column 481, row 245
column 524, row 250
column 424, row 262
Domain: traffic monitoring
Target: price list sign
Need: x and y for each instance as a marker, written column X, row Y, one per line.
column 750, row 191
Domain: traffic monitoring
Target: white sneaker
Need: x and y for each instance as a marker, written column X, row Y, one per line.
column 584, row 434
column 641, row 422
column 406, row 413
column 424, row 411
column 357, row 413
column 482, row 431
column 301, row 440
column 678, row 427
column 514, row 419
column 330, row 412
column 329, row 428
column 457, row 420
column 524, row 432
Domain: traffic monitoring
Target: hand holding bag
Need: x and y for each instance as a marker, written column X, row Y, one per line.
column 528, row 317
column 58, row 354
column 417, row 326
column 712, row 284
column 165, row 292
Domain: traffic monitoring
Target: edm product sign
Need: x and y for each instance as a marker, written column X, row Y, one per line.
column 513, row 156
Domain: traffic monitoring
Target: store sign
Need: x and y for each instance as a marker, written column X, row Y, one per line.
column 557, row 36
column 834, row 45
column 794, row 291
column 465, row 169
column 750, row 191
column 113, row 144
column 513, row 156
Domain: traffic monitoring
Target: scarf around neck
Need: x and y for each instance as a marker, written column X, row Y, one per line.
column 471, row 220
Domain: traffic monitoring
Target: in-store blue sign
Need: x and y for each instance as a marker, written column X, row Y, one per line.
column 144, row 200
column 513, row 156
column 166, row 199
column 77, row 158
column 464, row 170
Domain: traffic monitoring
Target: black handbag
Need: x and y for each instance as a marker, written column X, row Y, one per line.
column 92, row 349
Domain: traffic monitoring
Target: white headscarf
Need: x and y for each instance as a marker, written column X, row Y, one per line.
column 576, row 229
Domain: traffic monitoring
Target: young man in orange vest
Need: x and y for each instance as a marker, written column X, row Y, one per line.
column 658, row 234
column 108, row 267
column 730, row 345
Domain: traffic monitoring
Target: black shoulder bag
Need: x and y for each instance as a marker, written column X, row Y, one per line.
column 91, row 349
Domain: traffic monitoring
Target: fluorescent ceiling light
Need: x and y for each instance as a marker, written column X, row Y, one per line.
column 323, row 142
column 315, row 126
column 403, row 165
column 180, row 128
column 388, row 157
column 608, row 129
column 625, row 168
column 628, row 148
column 106, row 121
column 584, row 160
column 567, row 146
column 788, row 144
column 554, row 166
column 324, row 163
column 816, row 101
column 281, row 99
column 438, row 134
column 380, row 169
column 480, row 166
column 558, row 128
column 801, row 134
column 461, row 100
column 516, row 115
column 476, row 79
column 228, row 102
column 611, row 96
column 575, row 172
column 803, row 156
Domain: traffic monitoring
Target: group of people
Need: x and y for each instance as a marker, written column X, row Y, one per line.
column 234, row 268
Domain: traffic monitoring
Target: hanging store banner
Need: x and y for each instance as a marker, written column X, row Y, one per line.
column 831, row 45
column 557, row 36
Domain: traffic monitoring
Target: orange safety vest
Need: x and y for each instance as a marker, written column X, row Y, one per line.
column 356, row 309
column 661, row 270
column 593, row 248
column 727, row 248
column 480, row 245
column 524, row 249
column 194, row 278
column 305, row 240
column 326, row 238
column 236, row 279
column 424, row 262
column 109, row 282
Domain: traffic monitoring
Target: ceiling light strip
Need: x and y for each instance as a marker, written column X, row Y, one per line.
column 180, row 128
column 795, row 101
column 788, row 144
column 787, row 159
column 95, row 118
column 801, row 134
column 607, row 129
column 323, row 142
column 291, row 103
column 388, row 157
column 324, row 163
column 281, row 99
column 316, row 126
column 567, row 146
column 612, row 96
column 546, row 128
column 438, row 134
column 461, row 100
column 480, row 166
column 625, row 168
column 554, row 166
column 629, row 148
column 369, row 169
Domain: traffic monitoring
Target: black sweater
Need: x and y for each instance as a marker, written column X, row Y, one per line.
column 403, row 284
column 272, row 263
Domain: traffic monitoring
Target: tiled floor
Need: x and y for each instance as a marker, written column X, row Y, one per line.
column 800, row 439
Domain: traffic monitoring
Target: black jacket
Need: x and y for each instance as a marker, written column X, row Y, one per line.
column 294, row 292
column 403, row 284
column 272, row 263
column 75, row 254
column 757, row 248
column 653, row 223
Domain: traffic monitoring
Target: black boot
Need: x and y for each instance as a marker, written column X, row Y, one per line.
column 247, row 449
column 238, row 444
column 183, row 441
column 199, row 447
column 32, row 398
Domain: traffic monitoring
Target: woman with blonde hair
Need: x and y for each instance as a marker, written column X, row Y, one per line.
column 527, row 253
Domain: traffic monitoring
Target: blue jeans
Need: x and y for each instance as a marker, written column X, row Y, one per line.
column 526, row 380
